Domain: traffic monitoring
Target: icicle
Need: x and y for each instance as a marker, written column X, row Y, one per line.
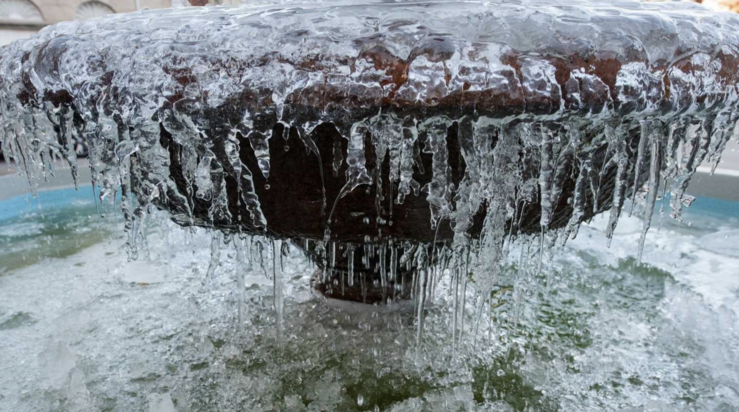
column 383, row 267
column 338, row 157
column 260, row 144
column 617, row 141
column 278, row 285
column 409, row 139
column 421, row 301
column 455, row 281
column 726, row 127
column 203, row 176
column 696, row 142
column 128, row 226
column 643, row 141
column 463, row 305
column 675, row 134
column 356, row 173
column 66, row 138
column 136, row 232
column 654, row 168
column 393, row 262
column 218, row 210
column 484, row 298
column 559, row 177
column 332, row 258
column 232, row 149
column 310, row 146
column 581, row 183
column 438, row 188
column 393, row 137
column 240, row 272
column 250, row 199
column 350, row 264
column 545, row 177
column 215, row 255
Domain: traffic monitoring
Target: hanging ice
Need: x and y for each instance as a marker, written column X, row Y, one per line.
column 513, row 117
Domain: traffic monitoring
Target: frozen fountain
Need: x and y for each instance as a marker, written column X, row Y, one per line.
column 385, row 139
column 401, row 146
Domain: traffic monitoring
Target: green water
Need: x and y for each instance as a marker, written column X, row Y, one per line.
column 53, row 225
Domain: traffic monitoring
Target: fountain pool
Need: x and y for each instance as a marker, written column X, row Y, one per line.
column 83, row 329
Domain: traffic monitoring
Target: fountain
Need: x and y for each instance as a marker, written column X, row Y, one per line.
column 382, row 138
column 284, row 137
column 405, row 147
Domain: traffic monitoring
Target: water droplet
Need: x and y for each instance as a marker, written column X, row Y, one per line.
column 360, row 400
column 266, row 186
column 287, row 148
column 500, row 372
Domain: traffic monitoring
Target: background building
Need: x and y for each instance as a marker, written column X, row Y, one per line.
column 22, row 18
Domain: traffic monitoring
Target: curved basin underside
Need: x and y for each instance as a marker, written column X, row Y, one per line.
column 380, row 124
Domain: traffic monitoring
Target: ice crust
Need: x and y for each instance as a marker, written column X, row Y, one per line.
column 549, row 84
column 580, row 345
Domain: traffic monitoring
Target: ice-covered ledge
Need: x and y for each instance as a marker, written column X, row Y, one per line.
column 381, row 127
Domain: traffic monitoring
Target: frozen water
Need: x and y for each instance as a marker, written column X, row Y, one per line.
column 607, row 334
column 534, row 83
column 161, row 403
column 58, row 362
column 722, row 242
column 563, row 108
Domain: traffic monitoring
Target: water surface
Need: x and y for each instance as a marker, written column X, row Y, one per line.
column 83, row 329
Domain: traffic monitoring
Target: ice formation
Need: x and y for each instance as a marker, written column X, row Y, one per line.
column 493, row 115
